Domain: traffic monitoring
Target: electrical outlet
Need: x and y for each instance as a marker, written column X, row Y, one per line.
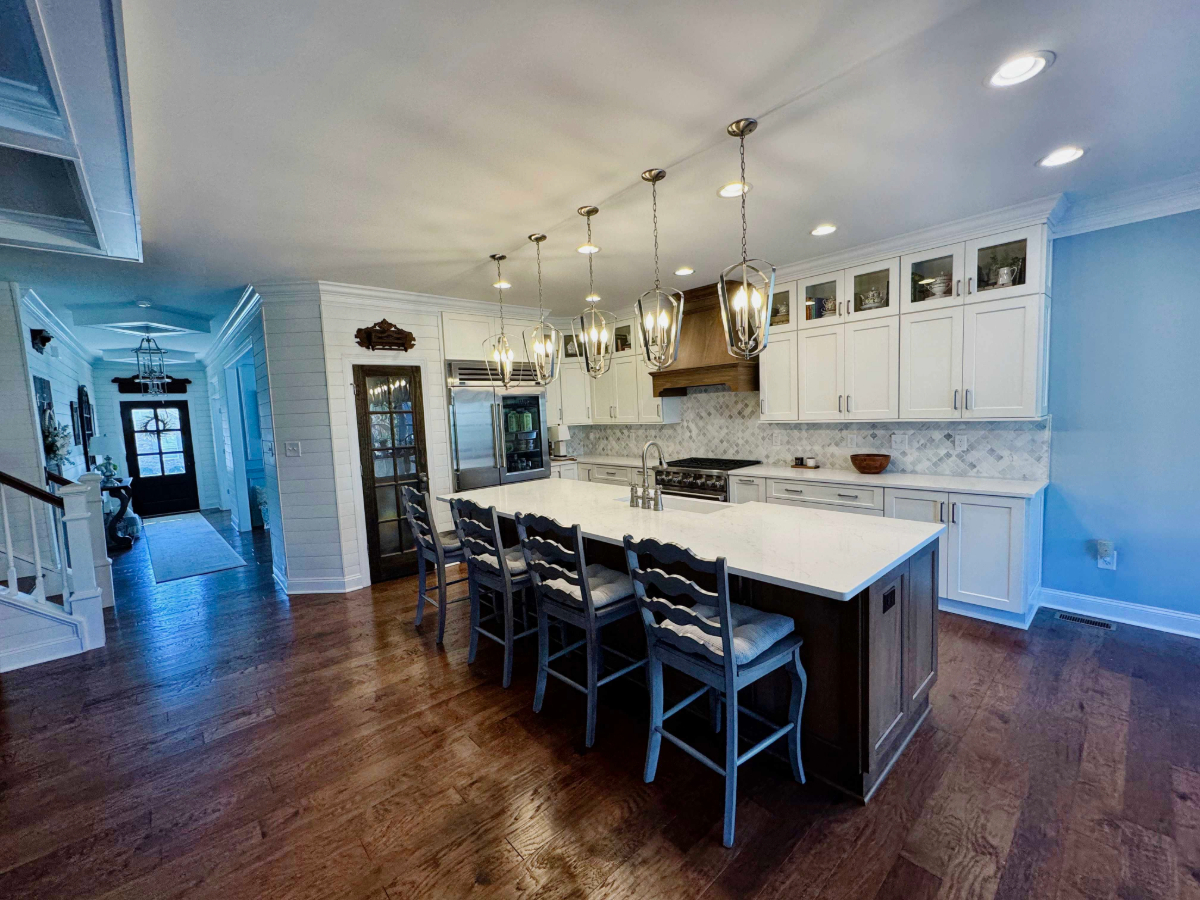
column 1106, row 555
column 899, row 441
column 291, row 448
column 851, row 441
column 960, row 442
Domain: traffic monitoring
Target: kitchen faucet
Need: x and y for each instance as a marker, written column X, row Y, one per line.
column 648, row 500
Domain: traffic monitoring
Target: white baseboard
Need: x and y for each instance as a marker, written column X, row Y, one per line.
column 321, row 585
column 40, row 653
column 1154, row 617
column 280, row 579
column 987, row 614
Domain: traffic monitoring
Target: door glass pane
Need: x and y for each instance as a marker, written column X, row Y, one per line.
column 932, row 279
column 381, row 431
column 403, row 425
column 385, row 502
column 406, row 539
column 171, row 441
column 1001, row 265
column 389, row 537
column 781, row 308
column 401, row 394
column 145, row 443
column 173, row 464
column 820, row 301
column 168, row 418
column 149, row 466
column 872, row 291
column 377, row 392
column 383, row 465
column 141, row 417
column 406, row 462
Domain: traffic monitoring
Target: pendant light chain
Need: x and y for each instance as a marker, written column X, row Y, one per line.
column 591, row 289
column 654, row 207
column 500, row 293
column 742, row 155
column 541, row 313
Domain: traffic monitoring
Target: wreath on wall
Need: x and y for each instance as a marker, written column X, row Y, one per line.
column 57, row 440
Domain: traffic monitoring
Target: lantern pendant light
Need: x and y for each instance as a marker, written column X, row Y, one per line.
column 543, row 342
column 498, row 352
column 151, row 363
column 593, row 328
column 745, row 289
column 659, row 311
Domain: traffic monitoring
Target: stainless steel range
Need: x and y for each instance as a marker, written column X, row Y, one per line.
column 699, row 476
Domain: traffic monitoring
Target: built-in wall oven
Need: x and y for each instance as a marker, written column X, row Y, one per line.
column 497, row 435
column 703, row 477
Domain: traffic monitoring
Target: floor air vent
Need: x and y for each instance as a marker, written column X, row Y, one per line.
column 1085, row 620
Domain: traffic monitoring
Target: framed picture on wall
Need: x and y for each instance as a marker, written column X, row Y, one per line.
column 76, row 425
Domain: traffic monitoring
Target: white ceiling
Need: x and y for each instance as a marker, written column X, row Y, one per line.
column 398, row 144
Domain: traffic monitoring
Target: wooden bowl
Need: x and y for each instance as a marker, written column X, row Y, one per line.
column 870, row 463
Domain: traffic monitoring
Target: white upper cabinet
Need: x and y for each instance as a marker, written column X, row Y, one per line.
column 1002, row 358
column 821, row 300
column 783, row 309
column 821, row 368
column 1006, row 265
column 624, row 375
column 464, row 335
column 651, row 409
column 576, row 388
column 872, row 369
column 873, row 290
column 931, row 351
column 604, row 397
column 777, row 380
column 625, row 338
column 554, row 410
column 933, row 279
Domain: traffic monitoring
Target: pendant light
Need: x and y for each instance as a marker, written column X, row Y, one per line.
column 543, row 342
column 497, row 350
column 745, row 289
column 659, row 311
column 593, row 328
column 151, row 363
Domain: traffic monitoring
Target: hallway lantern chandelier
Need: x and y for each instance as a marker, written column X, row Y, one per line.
column 151, row 363
column 659, row 311
column 745, row 289
column 543, row 342
column 498, row 352
column 593, row 329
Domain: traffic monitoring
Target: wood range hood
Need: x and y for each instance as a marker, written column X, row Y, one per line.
column 703, row 359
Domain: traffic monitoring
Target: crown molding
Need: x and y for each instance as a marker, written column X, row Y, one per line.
column 246, row 306
column 1042, row 211
column 39, row 310
column 1150, row 201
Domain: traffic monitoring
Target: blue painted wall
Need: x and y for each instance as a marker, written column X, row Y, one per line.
column 1125, row 397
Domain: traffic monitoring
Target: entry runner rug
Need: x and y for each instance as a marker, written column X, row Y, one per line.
column 186, row 545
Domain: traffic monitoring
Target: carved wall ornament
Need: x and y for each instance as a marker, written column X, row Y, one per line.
column 383, row 335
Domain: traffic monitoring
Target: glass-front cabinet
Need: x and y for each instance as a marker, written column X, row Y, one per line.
column 873, row 290
column 1005, row 265
column 783, row 317
column 524, row 436
column 933, row 279
column 823, row 298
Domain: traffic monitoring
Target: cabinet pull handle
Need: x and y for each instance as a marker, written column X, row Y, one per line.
column 967, row 404
column 839, row 402
column 847, row 403
column 762, row 406
column 839, row 307
column 793, row 491
column 954, row 513
column 848, row 496
column 745, row 481
column 958, row 287
column 956, row 398
column 658, row 409
column 942, row 513
column 969, row 285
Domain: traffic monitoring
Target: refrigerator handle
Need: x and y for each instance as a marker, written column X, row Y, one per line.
column 496, row 439
column 454, row 434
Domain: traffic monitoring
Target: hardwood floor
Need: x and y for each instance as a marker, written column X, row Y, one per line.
column 231, row 742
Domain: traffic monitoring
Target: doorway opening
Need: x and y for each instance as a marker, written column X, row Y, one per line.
column 158, row 454
column 248, row 510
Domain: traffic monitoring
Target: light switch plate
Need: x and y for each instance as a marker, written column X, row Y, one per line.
column 899, row 441
column 960, row 442
column 291, row 448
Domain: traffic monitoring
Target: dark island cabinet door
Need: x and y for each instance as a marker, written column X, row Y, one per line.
column 885, row 680
column 920, row 625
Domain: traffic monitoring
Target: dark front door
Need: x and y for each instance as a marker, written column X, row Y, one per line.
column 391, row 437
column 158, row 452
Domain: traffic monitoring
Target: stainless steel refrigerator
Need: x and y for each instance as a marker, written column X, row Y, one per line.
column 497, row 436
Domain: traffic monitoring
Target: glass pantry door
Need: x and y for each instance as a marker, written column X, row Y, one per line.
column 873, row 290
column 823, row 298
column 933, row 279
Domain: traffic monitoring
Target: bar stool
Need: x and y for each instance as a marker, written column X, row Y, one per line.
column 499, row 571
column 433, row 547
column 725, row 646
column 573, row 592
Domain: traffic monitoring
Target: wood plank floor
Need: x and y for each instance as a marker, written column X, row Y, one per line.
column 231, row 742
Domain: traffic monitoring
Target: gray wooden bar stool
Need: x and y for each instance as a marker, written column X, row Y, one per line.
column 725, row 646
column 432, row 547
column 572, row 592
column 496, row 575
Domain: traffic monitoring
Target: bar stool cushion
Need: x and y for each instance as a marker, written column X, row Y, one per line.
column 450, row 541
column 753, row 630
column 516, row 560
column 607, row 586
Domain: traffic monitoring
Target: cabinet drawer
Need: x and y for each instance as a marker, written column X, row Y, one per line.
column 835, row 494
column 610, row 474
column 828, row 507
column 745, row 489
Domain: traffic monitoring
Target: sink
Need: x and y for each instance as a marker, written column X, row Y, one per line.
column 687, row 504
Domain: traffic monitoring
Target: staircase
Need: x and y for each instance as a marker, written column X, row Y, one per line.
column 49, row 544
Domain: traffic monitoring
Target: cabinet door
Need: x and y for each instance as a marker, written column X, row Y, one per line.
column 777, row 382
column 933, row 279
column 931, row 351
column 920, row 628
column 986, row 551
column 624, row 374
column 886, row 699
column 922, row 506
column 464, row 335
column 873, row 290
column 872, row 369
column 604, row 396
column 576, row 388
column 821, row 368
column 783, row 309
column 1001, row 358
column 625, row 339
column 1006, row 265
column 649, row 406
column 744, row 489
column 554, row 410
column 822, row 300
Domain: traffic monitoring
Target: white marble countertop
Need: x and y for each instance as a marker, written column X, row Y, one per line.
column 832, row 554
column 996, row 487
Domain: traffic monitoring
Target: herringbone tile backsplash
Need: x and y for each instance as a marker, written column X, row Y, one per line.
column 727, row 425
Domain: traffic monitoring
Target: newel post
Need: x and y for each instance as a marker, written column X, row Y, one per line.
column 103, row 565
column 85, row 596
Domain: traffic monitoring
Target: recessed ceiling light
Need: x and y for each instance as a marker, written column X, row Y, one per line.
column 735, row 189
column 588, row 248
column 1061, row 156
column 824, row 229
column 684, row 270
column 1021, row 68
column 501, row 285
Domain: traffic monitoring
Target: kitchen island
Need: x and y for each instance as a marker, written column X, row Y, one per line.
column 862, row 591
